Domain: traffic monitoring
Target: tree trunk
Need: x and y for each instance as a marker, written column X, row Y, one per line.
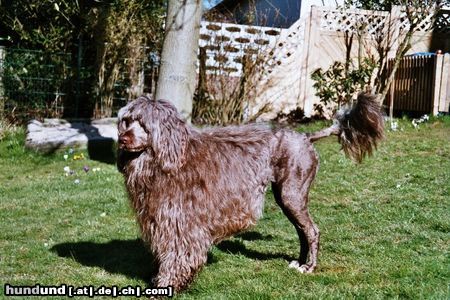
column 2, row 89
column 176, row 81
column 403, row 48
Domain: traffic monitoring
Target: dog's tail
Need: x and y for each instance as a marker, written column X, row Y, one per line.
column 359, row 128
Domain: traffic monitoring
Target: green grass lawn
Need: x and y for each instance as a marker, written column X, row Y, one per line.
column 384, row 226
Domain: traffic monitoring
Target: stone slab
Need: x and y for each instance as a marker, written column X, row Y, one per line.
column 56, row 134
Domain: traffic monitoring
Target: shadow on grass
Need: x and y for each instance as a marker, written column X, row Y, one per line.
column 132, row 259
column 102, row 150
column 254, row 236
column 129, row 257
column 100, row 145
column 236, row 246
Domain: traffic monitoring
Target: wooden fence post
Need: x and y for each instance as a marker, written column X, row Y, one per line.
column 437, row 76
column 392, row 94
column 444, row 98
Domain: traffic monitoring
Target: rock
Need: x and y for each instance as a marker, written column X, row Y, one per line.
column 55, row 134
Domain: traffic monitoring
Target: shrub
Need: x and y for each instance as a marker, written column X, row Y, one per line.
column 338, row 85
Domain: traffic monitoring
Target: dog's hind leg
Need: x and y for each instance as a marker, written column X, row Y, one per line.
column 292, row 196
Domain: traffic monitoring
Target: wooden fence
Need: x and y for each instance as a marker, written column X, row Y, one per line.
column 421, row 85
column 333, row 36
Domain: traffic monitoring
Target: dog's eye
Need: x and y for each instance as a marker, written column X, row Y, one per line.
column 123, row 125
column 142, row 125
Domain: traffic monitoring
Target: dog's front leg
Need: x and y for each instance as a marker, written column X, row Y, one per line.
column 182, row 256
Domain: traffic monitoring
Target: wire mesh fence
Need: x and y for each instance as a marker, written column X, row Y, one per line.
column 38, row 84
column 33, row 83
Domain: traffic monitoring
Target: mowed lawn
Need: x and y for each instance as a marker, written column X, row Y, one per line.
column 384, row 226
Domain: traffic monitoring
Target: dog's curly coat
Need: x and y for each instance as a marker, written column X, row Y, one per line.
column 192, row 188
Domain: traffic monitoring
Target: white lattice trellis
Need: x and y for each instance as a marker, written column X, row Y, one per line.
column 227, row 44
column 424, row 25
column 373, row 22
column 441, row 23
column 290, row 41
column 350, row 21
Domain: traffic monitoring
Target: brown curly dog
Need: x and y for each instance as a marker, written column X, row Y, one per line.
column 192, row 188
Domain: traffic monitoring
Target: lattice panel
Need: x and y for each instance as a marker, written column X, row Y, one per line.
column 291, row 41
column 441, row 25
column 227, row 44
column 404, row 22
column 353, row 21
column 424, row 25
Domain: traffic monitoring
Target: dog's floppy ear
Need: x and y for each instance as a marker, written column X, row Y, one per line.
column 169, row 136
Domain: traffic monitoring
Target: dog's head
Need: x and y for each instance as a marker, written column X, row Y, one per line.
column 154, row 127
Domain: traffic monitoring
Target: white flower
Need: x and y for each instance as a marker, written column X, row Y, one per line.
column 77, row 181
column 103, row 214
column 66, row 156
column 394, row 126
column 67, row 169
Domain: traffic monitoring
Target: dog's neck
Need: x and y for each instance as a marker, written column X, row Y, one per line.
column 134, row 161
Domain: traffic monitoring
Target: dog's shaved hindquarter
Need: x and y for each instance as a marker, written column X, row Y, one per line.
column 193, row 188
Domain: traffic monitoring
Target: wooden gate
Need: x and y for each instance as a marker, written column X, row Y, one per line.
column 420, row 85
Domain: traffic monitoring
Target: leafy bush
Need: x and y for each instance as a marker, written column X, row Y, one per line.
column 221, row 98
column 337, row 85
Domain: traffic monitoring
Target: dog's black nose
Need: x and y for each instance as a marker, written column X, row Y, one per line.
column 124, row 139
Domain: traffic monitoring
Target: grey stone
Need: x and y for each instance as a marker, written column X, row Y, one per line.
column 55, row 134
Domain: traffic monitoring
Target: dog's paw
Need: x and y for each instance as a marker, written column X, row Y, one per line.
column 301, row 268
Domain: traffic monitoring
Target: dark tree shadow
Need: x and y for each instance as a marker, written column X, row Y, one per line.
column 102, row 150
column 99, row 147
column 129, row 257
